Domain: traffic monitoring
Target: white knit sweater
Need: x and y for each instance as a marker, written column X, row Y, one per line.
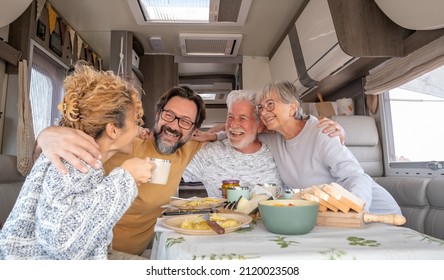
column 219, row 161
column 66, row 216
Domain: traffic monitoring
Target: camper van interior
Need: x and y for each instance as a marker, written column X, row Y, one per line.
column 375, row 67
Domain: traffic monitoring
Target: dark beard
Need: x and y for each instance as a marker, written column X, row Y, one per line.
column 167, row 149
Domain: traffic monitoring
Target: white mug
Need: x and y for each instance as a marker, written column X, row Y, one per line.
column 160, row 174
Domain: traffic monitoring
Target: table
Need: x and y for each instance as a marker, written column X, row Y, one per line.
column 374, row 241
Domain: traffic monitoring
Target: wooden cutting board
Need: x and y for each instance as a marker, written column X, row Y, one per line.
column 353, row 219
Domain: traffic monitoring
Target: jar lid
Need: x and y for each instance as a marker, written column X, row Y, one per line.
column 230, row 182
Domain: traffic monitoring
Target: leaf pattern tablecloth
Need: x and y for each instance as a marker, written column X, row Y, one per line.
column 372, row 242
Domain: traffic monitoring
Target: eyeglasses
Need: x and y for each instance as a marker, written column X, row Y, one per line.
column 269, row 106
column 169, row 116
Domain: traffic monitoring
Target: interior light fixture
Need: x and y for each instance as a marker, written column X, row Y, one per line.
column 208, row 12
column 208, row 96
column 175, row 11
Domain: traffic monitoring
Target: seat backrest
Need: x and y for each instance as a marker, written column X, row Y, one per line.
column 11, row 182
column 434, row 222
column 411, row 195
column 362, row 139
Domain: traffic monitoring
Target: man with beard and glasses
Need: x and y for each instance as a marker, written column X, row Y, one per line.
column 242, row 156
column 169, row 140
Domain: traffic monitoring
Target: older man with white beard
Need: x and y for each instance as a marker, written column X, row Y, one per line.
column 242, row 156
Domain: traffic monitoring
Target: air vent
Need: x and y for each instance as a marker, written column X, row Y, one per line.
column 215, row 45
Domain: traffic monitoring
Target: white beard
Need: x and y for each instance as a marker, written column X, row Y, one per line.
column 247, row 140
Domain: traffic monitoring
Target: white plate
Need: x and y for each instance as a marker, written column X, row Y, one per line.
column 175, row 223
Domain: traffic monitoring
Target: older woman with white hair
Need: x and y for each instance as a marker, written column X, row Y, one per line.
column 305, row 156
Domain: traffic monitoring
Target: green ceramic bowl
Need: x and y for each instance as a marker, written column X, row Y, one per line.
column 290, row 217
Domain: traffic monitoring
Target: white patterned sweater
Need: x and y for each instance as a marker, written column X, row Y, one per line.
column 219, row 161
column 66, row 217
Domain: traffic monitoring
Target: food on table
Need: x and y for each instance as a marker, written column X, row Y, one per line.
column 334, row 197
column 282, row 204
column 343, row 195
column 202, row 201
column 246, row 206
column 200, row 224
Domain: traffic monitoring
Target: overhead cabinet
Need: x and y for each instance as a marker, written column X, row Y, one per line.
column 282, row 64
column 310, row 51
column 320, row 48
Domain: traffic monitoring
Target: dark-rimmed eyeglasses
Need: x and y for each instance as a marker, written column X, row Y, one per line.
column 169, row 116
column 269, row 106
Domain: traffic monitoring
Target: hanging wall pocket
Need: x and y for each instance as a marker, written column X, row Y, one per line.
column 55, row 43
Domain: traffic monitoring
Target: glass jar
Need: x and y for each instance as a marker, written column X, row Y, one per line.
column 227, row 184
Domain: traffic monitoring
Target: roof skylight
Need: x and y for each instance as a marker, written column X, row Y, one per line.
column 175, row 11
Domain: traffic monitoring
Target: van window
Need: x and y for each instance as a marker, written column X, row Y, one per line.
column 46, row 90
column 413, row 119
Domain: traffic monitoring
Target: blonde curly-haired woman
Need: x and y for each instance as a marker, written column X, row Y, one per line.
column 71, row 216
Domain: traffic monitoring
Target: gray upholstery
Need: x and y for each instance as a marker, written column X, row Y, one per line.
column 421, row 199
column 411, row 195
column 434, row 222
column 10, row 184
column 362, row 139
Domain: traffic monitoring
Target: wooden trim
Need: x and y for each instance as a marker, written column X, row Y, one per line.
column 421, row 38
column 9, row 54
column 363, row 30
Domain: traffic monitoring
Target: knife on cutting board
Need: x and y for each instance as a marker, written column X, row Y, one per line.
column 356, row 220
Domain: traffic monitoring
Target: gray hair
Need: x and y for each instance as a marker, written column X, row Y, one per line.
column 242, row 95
column 286, row 92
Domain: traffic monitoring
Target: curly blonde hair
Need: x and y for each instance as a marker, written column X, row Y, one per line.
column 95, row 98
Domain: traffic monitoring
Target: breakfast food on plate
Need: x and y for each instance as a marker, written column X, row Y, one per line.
column 200, row 224
column 203, row 201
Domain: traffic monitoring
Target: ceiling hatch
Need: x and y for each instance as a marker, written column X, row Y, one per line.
column 216, row 45
column 208, row 12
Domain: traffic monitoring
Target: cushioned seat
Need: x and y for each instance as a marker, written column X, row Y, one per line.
column 11, row 182
column 421, row 199
column 434, row 221
column 362, row 139
column 411, row 195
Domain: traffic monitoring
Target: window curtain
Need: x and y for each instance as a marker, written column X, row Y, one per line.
column 25, row 131
column 400, row 70
column 46, row 90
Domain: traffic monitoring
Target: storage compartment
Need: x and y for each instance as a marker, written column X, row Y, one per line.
column 319, row 43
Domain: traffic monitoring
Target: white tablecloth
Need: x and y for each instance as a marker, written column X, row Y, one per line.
column 372, row 242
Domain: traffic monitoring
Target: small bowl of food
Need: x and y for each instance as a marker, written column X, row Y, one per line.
column 289, row 217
